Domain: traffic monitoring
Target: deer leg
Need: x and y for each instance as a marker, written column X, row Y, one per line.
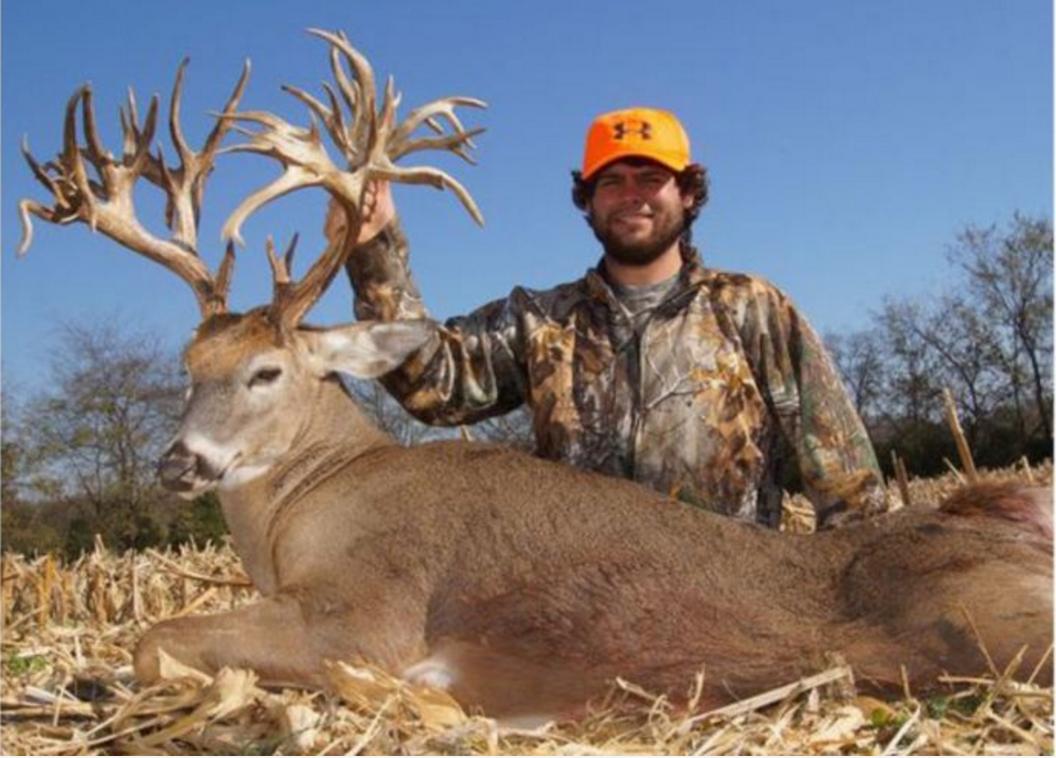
column 269, row 637
column 517, row 690
column 962, row 624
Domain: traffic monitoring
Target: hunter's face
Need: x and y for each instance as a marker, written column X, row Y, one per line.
column 637, row 210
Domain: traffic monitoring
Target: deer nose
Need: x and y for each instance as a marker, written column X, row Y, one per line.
column 177, row 467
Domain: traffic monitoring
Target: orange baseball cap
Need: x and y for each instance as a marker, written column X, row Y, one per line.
column 639, row 132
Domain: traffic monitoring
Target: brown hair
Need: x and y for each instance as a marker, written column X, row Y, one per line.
column 692, row 180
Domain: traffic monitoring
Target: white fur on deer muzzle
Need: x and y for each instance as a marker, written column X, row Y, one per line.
column 194, row 464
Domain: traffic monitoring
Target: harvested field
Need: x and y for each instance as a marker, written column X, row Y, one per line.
column 67, row 687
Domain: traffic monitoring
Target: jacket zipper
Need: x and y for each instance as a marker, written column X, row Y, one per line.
column 636, row 408
column 639, row 357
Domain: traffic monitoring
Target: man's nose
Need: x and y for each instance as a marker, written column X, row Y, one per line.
column 632, row 193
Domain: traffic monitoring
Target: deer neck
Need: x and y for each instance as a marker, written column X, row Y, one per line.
column 334, row 433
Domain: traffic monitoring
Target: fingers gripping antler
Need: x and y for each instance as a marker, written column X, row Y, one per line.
column 369, row 141
column 106, row 205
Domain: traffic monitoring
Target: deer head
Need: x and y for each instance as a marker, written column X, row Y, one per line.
column 254, row 375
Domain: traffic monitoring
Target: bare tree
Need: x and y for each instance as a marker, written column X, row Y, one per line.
column 12, row 454
column 955, row 341
column 859, row 358
column 23, row 527
column 1010, row 275
column 110, row 405
column 913, row 385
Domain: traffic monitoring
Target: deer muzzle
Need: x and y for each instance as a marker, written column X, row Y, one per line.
column 181, row 470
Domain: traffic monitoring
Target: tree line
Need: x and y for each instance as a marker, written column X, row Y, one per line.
column 78, row 454
column 987, row 337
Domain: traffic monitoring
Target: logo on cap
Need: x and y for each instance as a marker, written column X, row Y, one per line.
column 633, row 126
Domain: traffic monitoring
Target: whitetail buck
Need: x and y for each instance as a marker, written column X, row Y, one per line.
column 519, row 585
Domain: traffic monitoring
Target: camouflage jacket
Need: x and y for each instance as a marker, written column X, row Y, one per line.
column 694, row 407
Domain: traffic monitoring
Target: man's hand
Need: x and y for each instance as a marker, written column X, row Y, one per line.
column 378, row 211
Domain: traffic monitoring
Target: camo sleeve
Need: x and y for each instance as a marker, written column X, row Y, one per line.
column 472, row 369
column 836, row 459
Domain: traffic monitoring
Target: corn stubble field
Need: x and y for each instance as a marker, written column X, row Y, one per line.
column 69, row 631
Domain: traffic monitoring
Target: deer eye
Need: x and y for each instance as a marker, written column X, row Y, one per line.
column 266, row 375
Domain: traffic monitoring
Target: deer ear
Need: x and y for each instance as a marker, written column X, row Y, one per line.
column 367, row 349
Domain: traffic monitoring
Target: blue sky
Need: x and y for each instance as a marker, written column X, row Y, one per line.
column 847, row 142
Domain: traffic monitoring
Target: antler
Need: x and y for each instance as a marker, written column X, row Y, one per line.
column 106, row 205
column 369, row 142
column 367, row 137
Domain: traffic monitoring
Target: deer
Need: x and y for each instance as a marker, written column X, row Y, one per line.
column 522, row 587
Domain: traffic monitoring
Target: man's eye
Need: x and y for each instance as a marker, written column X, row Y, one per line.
column 265, row 376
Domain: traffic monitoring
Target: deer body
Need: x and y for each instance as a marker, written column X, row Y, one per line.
column 525, row 587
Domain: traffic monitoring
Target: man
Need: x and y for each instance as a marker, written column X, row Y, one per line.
column 651, row 366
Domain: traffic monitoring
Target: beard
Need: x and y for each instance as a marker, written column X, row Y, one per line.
column 633, row 250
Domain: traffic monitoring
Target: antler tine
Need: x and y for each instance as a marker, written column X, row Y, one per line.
column 96, row 151
column 434, row 177
column 291, row 300
column 455, row 143
column 314, row 104
column 388, row 106
column 378, row 143
column 64, row 211
column 402, row 144
column 133, row 113
column 331, row 117
column 290, row 250
column 280, row 272
column 350, row 89
column 291, row 179
column 462, row 151
column 292, row 304
column 223, row 280
column 129, row 122
column 175, row 130
column 25, row 208
column 336, row 124
column 73, row 163
column 136, row 141
column 362, row 97
column 42, row 175
column 440, row 108
column 281, row 268
column 222, row 125
column 185, row 184
column 138, row 159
